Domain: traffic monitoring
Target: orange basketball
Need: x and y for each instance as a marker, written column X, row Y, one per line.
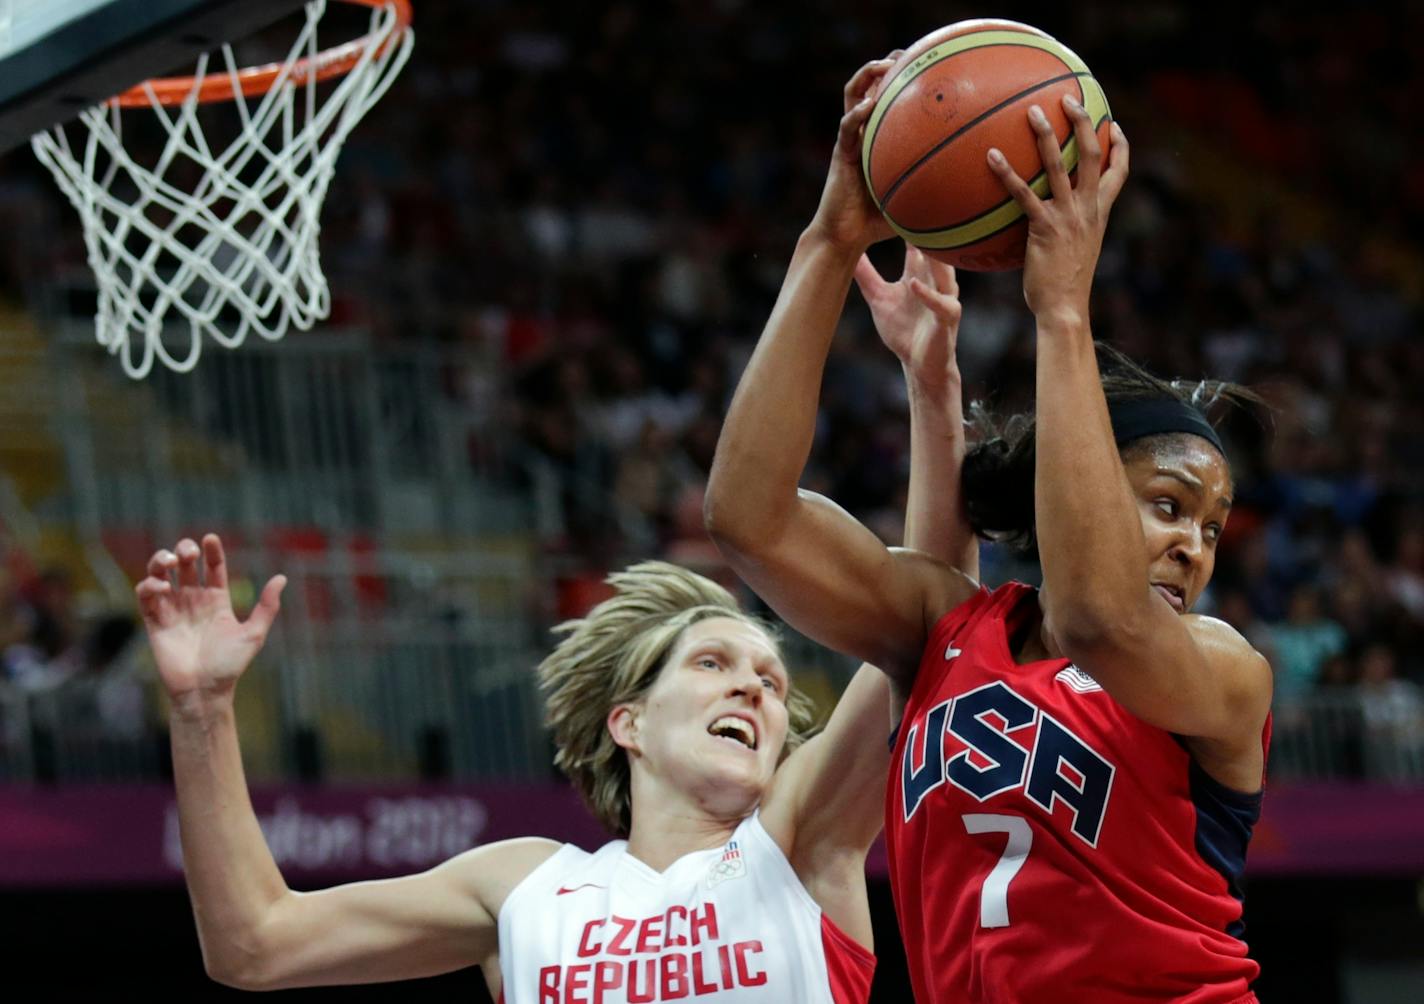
column 952, row 96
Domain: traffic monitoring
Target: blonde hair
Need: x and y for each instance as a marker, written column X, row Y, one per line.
column 613, row 656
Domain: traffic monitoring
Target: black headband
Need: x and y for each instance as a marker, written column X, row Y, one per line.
column 1135, row 419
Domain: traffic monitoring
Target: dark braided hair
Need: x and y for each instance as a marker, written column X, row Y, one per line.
column 998, row 472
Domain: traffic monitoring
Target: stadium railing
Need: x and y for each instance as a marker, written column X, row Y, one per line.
column 419, row 599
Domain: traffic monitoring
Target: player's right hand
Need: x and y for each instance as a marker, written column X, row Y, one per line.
column 1065, row 232
column 917, row 317
column 199, row 645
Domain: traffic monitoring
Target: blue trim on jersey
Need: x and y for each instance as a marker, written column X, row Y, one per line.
column 1225, row 818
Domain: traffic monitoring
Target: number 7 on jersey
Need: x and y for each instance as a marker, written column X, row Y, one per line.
column 994, row 894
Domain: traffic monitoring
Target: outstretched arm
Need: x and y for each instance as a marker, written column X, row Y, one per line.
column 816, row 566
column 1191, row 676
column 254, row 931
column 918, row 319
column 829, row 795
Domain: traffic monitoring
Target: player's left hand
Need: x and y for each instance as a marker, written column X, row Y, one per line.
column 1065, row 233
column 847, row 216
column 917, row 318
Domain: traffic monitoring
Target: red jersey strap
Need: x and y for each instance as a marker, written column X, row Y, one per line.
column 952, row 631
column 945, row 630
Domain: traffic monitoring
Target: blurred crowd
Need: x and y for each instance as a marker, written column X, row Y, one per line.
column 53, row 645
column 595, row 206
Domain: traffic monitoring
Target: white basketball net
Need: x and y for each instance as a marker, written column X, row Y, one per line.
column 237, row 251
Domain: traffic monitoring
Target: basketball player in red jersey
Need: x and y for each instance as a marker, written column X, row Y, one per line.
column 740, row 877
column 1078, row 768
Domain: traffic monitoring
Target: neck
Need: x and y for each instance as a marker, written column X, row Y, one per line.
column 667, row 826
column 667, row 836
column 1051, row 650
column 1037, row 641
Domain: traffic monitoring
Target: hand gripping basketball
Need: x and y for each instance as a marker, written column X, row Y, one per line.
column 847, row 216
column 1065, row 233
column 199, row 645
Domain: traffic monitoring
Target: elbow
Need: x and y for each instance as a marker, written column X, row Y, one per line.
column 249, row 975
column 240, row 963
column 235, row 975
column 745, row 535
column 746, row 504
column 728, row 521
column 715, row 518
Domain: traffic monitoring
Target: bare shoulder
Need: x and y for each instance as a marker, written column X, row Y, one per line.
column 491, row 872
column 1231, row 655
column 1202, row 625
column 1219, row 641
column 1235, row 759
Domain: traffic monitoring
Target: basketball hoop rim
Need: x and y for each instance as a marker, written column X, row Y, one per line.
column 258, row 80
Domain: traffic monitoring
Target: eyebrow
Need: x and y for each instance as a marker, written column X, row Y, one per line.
column 1192, row 482
column 770, row 658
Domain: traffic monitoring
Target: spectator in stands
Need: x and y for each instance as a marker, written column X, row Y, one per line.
column 1393, row 711
column 550, row 230
column 42, row 630
column 1302, row 644
column 1405, row 576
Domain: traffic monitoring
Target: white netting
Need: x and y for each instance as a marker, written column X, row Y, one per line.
column 224, row 240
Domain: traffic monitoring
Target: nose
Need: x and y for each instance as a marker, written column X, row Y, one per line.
column 1187, row 548
column 744, row 682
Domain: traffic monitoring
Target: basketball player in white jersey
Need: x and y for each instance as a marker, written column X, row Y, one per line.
column 738, row 874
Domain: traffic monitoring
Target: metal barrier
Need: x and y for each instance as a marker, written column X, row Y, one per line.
column 391, row 660
column 380, row 667
column 16, row 736
column 401, row 666
column 416, row 667
column 356, row 469
column 95, row 728
column 326, row 430
column 1355, row 734
column 407, row 665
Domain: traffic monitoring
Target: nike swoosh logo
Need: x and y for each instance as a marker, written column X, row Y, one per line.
column 565, row 890
column 951, row 652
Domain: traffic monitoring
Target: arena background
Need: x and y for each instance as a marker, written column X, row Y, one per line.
column 551, row 248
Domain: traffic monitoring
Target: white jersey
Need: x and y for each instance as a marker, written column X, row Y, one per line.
column 732, row 924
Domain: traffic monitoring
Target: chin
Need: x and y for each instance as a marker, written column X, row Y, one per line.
column 734, row 792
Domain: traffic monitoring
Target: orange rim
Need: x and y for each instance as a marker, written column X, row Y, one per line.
column 258, row 80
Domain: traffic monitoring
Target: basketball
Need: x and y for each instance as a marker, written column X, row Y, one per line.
column 954, row 95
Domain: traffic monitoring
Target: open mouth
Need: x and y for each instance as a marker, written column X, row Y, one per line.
column 734, row 729
column 1174, row 595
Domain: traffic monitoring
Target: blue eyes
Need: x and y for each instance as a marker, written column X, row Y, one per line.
column 767, row 681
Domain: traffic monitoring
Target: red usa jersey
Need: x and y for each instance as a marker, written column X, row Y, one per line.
column 732, row 924
column 1048, row 847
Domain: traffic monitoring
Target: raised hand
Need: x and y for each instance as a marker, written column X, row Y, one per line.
column 1065, row 233
column 847, row 216
column 199, row 645
column 917, row 318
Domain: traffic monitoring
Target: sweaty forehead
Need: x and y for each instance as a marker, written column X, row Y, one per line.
column 1183, row 452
